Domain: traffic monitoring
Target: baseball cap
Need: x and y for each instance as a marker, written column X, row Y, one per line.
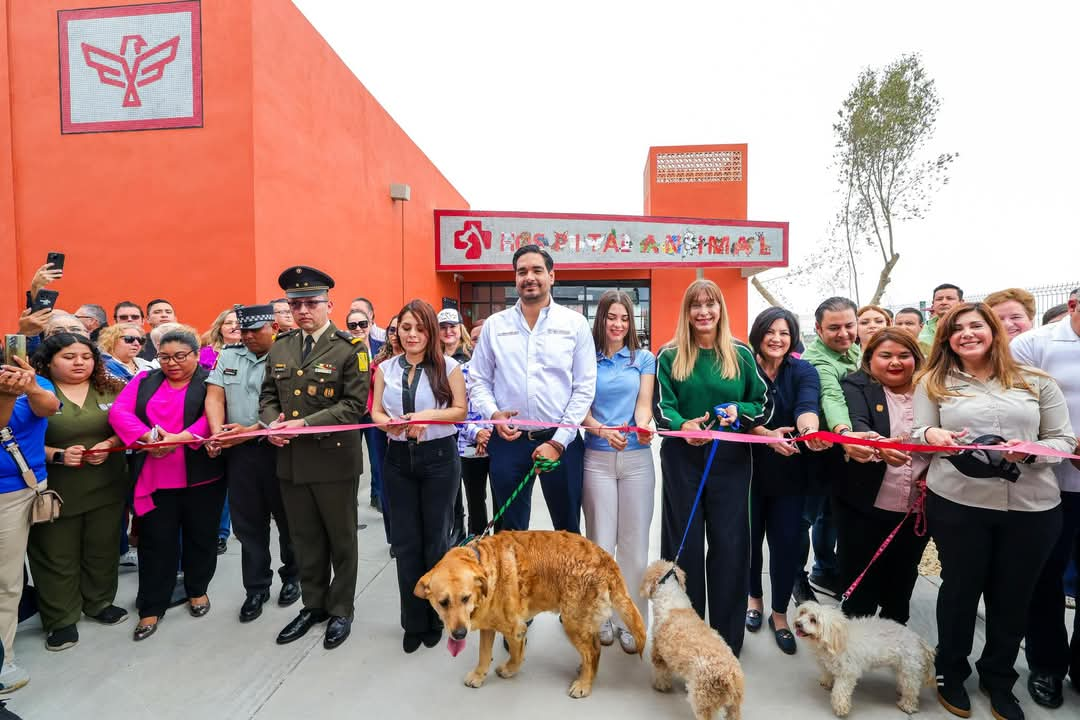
column 449, row 315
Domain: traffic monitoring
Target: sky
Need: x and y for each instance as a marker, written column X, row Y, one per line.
column 553, row 106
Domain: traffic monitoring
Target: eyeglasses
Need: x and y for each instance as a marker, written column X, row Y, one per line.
column 129, row 318
column 362, row 324
column 133, row 339
column 283, row 312
column 73, row 329
column 391, row 331
column 309, row 304
column 174, row 358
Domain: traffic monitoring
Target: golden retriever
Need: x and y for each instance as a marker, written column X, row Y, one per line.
column 500, row 582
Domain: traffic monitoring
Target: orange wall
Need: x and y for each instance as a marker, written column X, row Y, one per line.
column 720, row 200
column 326, row 153
column 9, row 271
column 139, row 214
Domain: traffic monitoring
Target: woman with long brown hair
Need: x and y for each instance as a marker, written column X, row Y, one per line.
column 422, row 470
column 708, row 379
column 994, row 516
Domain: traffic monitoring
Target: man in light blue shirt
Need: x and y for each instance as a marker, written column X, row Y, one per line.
column 535, row 360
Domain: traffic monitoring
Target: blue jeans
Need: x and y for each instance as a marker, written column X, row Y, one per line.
column 817, row 518
column 1070, row 577
column 510, row 461
column 226, row 521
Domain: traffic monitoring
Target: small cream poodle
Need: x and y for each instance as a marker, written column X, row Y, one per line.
column 848, row 647
column 682, row 644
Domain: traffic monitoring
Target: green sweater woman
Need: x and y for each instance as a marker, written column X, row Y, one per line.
column 74, row 559
column 706, row 379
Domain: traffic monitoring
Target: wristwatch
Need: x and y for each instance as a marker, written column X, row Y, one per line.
column 58, row 457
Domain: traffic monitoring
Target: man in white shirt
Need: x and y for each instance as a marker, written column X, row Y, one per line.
column 1055, row 349
column 535, row 360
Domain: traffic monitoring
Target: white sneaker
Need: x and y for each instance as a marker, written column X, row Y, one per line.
column 1070, row 602
column 627, row 641
column 607, row 633
column 129, row 561
column 12, row 677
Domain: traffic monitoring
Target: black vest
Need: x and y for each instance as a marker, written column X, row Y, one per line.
column 200, row 466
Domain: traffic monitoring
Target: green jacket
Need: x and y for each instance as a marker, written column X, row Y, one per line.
column 833, row 367
column 926, row 335
column 700, row 393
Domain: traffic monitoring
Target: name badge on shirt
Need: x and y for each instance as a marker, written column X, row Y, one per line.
column 558, row 331
column 104, row 406
column 323, row 369
column 230, row 371
column 509, row 333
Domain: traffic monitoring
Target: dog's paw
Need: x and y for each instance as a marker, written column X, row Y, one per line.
column 474, row 679
column 909, row 706
column 826, row 682
column 841, row 708
column 505, row 671
column 662, row 684
column 579, row 689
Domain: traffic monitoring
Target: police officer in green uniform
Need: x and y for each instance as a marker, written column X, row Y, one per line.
column 317, row 375
column 232, row 408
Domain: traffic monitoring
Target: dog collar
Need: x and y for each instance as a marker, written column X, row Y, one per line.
column 669, row 574
column 476, row 551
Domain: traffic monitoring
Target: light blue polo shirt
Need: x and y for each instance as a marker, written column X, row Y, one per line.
column 29, row 431
column 618, row 380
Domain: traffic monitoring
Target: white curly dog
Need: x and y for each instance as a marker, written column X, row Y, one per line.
column 848, row 647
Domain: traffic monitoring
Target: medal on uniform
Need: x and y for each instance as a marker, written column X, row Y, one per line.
column 880, row 407
column 323, row 369
column 311, row 390
column 328, row 392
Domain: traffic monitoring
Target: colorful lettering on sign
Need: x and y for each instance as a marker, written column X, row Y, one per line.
column 763, row 247
column 742, row 246
column 560, row 241
column 649, row 245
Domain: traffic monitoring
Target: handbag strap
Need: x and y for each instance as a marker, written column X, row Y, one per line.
column 11, row 445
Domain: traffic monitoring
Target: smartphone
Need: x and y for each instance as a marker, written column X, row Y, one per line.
column 14, row 346
column 44, row 300
column 56, row 260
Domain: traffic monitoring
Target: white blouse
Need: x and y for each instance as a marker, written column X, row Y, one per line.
column 397, row 392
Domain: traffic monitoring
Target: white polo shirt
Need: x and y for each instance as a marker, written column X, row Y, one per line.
column 1055, row 349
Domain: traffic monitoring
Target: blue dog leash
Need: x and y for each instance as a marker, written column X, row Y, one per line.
column 701, row 488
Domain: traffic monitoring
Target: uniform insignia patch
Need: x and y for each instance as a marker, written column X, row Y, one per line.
column 362, row 362
column 230, row 371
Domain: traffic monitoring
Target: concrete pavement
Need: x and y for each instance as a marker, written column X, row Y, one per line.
column 214, row 667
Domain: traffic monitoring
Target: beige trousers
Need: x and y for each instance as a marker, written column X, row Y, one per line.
column 14, row 530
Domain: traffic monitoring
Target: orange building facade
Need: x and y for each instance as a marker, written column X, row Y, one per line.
column 192, row 150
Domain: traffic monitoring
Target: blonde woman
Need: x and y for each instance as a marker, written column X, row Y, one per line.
column 225, row 330
column 454, row 336
column 994, row 524
column 120, row 346
column 708, row 379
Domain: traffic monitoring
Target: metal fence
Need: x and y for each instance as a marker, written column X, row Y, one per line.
column 1046, row 297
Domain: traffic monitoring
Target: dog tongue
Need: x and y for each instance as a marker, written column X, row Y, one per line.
column 454, row 646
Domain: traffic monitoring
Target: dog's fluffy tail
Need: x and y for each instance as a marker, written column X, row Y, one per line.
column 631, row 616
column 929, row 671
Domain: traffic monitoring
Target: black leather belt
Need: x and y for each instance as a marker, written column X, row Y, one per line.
column 541, row 435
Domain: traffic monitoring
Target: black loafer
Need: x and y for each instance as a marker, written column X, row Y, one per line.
column 110, row 615
column 1003, row 704
column 199, row 610
column 953, row 697
column 410, row 642
column 252, row 607
column 753, row 620
column 222, row 545
column 1046, row 690
column 290, row 593
column 144, row 631
column 299, row 627
column 337, row 631
column 785, row 640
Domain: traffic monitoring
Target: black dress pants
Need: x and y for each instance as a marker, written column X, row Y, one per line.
column 254, row 498
column 1048, row 648
column 474, row 476
column 421, row 479
column 999, row 555
column 889, row 582
column 720, row 576
column 193, row 515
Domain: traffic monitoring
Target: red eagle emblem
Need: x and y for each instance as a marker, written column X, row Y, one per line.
column 144, row 67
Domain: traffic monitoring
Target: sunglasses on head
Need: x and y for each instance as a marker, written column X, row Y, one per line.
column 362, row 324
column 133, row 339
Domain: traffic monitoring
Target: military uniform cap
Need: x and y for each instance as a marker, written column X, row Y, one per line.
column 301, row 281
column 253, row 317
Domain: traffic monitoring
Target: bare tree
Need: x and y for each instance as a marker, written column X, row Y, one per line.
column 883, row 127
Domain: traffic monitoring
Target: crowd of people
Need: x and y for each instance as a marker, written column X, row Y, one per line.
column 1006, row 524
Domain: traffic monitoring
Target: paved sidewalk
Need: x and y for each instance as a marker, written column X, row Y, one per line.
column 214, row 667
